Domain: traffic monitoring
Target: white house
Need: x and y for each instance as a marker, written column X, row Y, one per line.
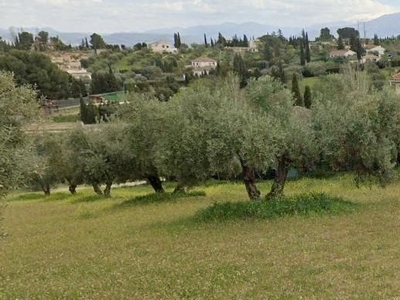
column 254, row 45
column 203, row 65
column 342, row 53
column 375, row 49
column 162, row 46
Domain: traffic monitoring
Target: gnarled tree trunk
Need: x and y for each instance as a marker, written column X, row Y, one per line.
column 72, row 188
column 96, row 189
column 280, row 178
column 107, row 190
column 249, row 178
column 155, row 183
column 46, row 188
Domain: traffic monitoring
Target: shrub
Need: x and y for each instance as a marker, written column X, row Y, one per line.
column 303, row 204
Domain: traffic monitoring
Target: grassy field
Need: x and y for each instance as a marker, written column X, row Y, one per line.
column 88, row 247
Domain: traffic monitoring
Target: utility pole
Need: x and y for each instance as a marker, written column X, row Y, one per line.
column 365, row 34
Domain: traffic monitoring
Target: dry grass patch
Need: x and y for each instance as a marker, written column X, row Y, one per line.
column 90, row 250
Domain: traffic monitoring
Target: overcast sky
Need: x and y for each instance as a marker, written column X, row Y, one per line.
column 106, row 16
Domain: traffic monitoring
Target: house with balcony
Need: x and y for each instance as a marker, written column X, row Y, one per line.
column 202, row 65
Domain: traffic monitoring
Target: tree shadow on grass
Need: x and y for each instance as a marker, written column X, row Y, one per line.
column 158, row 198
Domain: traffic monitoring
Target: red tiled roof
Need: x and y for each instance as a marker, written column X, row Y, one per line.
column 396, row 76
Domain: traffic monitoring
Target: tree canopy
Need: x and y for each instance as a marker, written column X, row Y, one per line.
column 37, row 70
column 18, row 105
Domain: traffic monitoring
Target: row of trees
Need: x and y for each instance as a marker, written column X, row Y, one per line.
column 216, row 129
column 25, row 40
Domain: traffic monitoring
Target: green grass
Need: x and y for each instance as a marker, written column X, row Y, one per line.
column 310, row 81
column 81, row 247
column 66, row 118
column 310, row 204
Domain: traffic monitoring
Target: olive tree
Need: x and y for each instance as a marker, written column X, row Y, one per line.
column 358, row 127
column 42, row 170
column 294, row 138
column 100, row 157
column 53, row 162
column 145, row 120
column 213, row 129
column 18, row 106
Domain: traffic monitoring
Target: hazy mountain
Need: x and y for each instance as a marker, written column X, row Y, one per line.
column 383, row 26
column 131, row 38
column 228, row 30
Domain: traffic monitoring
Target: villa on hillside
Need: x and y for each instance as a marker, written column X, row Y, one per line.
column 371, row 57
column 162, row 46
column 341, row 53
column 71, row 63
column 202, row 65
column 373, row 49
column 252, row 47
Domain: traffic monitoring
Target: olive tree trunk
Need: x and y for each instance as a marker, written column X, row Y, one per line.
column 45, row 188
column 107, row 190
column 280, row 178
column 96, row 189
column 72, row 188
column 155, row 183
column 249, row 179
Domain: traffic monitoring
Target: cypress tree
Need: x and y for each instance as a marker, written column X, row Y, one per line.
column 89, row 112
column 239, row 67
column 376, row 40
column 302, row 55
column 307, row 97
column 82, row 110
column 307, row 49
column 340, row 45
column 179, row 41
column 245, row 41
column 299, row 101
column 205, row 40
column 175, row 40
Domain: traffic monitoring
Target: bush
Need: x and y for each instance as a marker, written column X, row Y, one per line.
column 317, row 68
column 303, row 204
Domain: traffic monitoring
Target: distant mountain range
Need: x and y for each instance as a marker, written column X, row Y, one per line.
column 386, row 25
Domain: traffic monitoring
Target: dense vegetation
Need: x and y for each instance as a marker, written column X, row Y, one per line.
column 216, row 129
column 138, row 69
column 241, row 122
